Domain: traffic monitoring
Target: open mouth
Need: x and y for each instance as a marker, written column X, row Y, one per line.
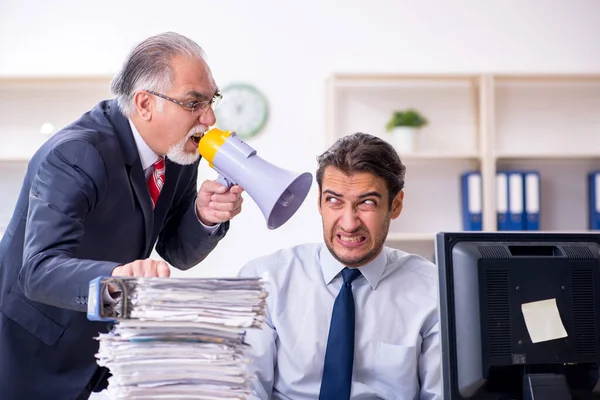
column 196, row 138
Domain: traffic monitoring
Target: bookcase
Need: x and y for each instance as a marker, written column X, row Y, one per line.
column 483, row 122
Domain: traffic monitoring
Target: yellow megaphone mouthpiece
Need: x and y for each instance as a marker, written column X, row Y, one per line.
column 211, row 142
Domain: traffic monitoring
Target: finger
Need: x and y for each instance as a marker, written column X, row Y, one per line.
column 239, row 203
column 127, row 270
column 121, row 270
column 163, row 270
column 138, row 268
column 226, row 197
column 237, row 189
column 213, row 187
column 150, row 270
column 149, row 266
column 236, row 211
column 117, row 271
column 216, row 206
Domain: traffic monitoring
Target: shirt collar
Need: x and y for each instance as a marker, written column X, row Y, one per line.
column 147, row 156
column 373, row 271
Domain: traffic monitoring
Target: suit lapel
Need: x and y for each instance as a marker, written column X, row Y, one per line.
column 138, row 182
column 133, row 163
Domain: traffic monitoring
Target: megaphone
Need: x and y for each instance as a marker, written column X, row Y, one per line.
column 277, row 192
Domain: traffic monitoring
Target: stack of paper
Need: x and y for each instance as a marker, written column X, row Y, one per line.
column 182, row 338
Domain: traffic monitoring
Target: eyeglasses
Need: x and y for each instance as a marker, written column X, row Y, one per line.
column 193, row 106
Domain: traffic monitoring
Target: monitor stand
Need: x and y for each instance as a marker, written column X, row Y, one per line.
column 545, row 387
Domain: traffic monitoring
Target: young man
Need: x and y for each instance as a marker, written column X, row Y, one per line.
column 350, row 318
column 96, row 199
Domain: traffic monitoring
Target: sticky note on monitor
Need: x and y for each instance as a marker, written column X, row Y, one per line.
column 543, row 320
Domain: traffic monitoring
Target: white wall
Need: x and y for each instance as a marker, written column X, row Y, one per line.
column 288, row 49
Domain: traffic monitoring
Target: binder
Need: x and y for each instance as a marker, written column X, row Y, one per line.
column 502, row 201
column 531, row 181
column 471, row 201
column 594, row 200
column 515, row 201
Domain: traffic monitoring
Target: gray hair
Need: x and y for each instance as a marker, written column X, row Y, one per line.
column 148, row 66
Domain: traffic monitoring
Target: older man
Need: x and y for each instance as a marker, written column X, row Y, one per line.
column 96, row 199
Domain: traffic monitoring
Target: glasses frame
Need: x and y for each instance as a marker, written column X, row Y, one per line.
column 200, row 106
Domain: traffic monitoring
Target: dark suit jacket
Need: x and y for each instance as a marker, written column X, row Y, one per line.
column 84, row 208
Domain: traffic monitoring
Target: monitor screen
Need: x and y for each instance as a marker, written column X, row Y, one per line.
column 520, row 315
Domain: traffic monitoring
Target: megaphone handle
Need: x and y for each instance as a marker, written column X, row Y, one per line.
column 224, row 181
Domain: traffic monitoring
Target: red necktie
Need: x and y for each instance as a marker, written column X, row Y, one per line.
column 156, row 180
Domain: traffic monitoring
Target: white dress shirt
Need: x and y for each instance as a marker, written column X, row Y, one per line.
column 397, row 344
column 147, row 156
column 147, row 159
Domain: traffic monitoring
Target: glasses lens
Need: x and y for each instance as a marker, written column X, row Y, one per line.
column 216, row 102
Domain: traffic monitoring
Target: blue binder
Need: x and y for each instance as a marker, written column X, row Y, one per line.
column 471, row 201
column 515, row 201
column 531, row 180
column 594, row 200
column 502, row 200
column 96, row 310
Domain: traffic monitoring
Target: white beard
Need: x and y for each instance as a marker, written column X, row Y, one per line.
column 177, row 152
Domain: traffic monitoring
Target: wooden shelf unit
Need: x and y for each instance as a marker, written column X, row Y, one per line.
column 484, row 122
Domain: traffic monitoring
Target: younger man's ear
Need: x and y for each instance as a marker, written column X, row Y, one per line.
column 397, row 204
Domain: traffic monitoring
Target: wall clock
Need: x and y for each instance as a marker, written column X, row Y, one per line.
column 244, row 109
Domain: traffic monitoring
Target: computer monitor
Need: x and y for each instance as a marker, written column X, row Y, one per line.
column 520, row 315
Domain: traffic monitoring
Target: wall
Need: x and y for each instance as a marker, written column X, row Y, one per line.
column 288, row 49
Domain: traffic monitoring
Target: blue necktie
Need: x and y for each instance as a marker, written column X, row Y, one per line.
column 339, row 356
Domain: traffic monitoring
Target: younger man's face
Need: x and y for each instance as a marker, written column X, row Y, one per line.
column 356, row 215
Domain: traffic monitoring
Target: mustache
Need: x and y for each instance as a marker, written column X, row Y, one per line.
column 200, row 129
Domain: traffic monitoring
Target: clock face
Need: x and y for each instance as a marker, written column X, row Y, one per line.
column 243, row 110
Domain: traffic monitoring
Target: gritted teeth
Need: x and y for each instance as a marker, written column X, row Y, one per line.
column 351, row 239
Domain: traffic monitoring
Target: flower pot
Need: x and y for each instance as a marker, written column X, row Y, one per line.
column 403, row 138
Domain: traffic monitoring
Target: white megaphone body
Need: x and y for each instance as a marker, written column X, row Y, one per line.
column 277, row 192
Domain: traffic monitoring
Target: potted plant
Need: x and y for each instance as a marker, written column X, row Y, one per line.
column 404, row 126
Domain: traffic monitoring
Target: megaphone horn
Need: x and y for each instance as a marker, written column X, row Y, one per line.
column 277, row 192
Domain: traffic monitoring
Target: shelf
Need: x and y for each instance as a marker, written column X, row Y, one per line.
column 411, row 237
column 553, row 78
column 438, row 156
column 37, row 80
column 551, row 116
column 549, row 157
column 449, row 104
column 485, row 122
column 395, row 82
column 563, row 189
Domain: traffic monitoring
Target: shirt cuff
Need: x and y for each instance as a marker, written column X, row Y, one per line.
column 208, row 229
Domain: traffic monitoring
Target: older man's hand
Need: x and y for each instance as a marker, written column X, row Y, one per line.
column 216, row 204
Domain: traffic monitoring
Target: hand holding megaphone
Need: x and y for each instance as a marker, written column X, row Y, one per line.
column 277, row 192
